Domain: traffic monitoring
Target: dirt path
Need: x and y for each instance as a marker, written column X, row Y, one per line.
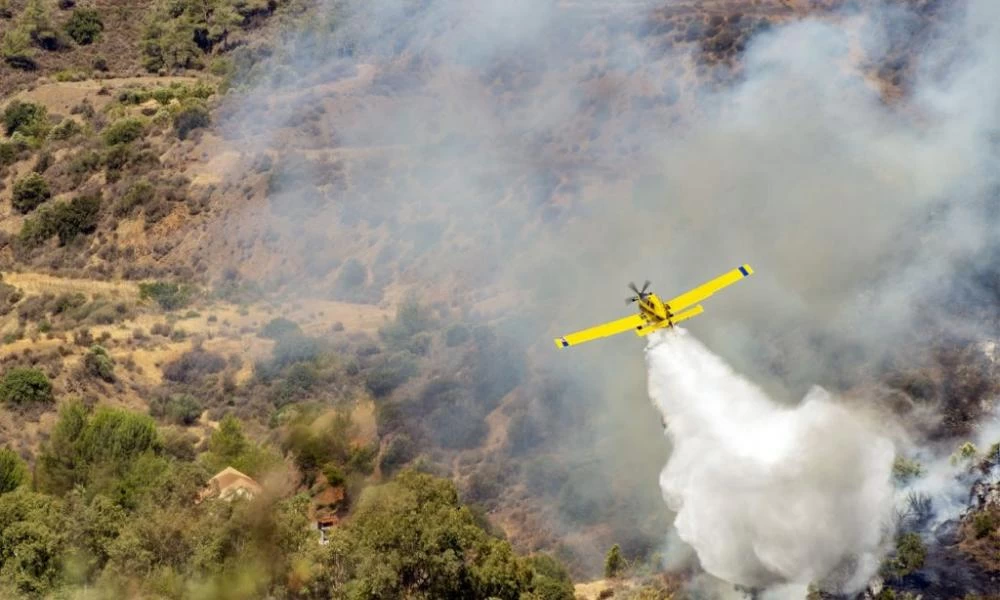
column 39, row 283
column 61, row 96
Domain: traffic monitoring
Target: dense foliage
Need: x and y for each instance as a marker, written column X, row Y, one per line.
column 115, row 509
column 20, row 386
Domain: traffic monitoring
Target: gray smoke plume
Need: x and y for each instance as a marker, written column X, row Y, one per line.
column 767, row 494
column 523, row 160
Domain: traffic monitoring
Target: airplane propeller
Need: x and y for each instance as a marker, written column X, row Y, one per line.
column 639, row 294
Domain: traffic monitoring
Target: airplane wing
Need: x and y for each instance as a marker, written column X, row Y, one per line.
column 707, row 289
column 599, row 331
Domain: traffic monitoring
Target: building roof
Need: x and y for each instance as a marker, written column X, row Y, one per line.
column 230, row 483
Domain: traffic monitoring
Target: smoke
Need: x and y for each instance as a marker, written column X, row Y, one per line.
column 766, row 494
column 522, row 162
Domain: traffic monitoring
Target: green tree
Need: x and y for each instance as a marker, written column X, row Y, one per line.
column 60, row 466
column 169, row 296
column 30, row 192
column 78, row 216
column 411, row 538
column 229, row 447
column 123, row 131
column 84, row 26
column 613, row 562
column 32, row 541
column 15, row 47
column 13, row 472
column 193, row 116
column 24, row 117
column 908, row 558
column 98, row 364
column 24, row 385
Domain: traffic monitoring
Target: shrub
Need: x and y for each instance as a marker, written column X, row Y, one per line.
column 279, row 327
column 30, row 192
column 66, row 219
column 15, row 47
column 123, row 131
column 411, row 319
column 400, row 451
column 169, row 296
column 352, row 275
column 193, row 365
column 24, row 117
column 191, row 117
column 459, row 426
column 84, row 26
column 984, row 523
column 390, row 373
column 613, row 562
column 12, row 471
column 22, row 385
column 292, row 349
column 138, row 194
column 334, row 476
column 181, row 409
column 66, row 129
column 77, row 216
column 9, row 153
column 98, row 364
column 909, row 556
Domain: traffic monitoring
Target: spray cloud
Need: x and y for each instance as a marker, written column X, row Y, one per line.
column 763, row 493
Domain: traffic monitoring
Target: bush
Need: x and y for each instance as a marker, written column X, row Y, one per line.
column 66, row 129
column 279, row 328
column 191, row 117
column 138, row 194
column 459, row 426
column 21, row 386
column 352, row 275
column 84, row 26
column 15, row 47
column 169, row 296
column 30, row 192
column 77, row 216
column 66, row 219
column 613, row 562
column 334, row 476
column 123, row 131
column 909, row 556
column 98, row 364
column 24, row 117
column 13, row 472
column 400, row 451
column 9, row 153
column 390, row 373
column 180, row 409
column 984, row 523
column 292, row 349
column 193, row 365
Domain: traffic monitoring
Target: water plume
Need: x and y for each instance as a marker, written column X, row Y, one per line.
column 765, row 494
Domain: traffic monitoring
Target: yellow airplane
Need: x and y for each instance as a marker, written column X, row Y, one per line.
column 654, row 313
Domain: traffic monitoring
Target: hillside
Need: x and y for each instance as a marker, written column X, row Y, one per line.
column 355, row 227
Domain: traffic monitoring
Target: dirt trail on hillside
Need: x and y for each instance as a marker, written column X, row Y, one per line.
column 61, row 96
column 39, row 283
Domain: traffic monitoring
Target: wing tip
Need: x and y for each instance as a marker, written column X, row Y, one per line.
column 746, row 270
column 561, row 342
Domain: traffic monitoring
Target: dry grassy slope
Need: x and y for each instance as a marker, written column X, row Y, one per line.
column 219, row 327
